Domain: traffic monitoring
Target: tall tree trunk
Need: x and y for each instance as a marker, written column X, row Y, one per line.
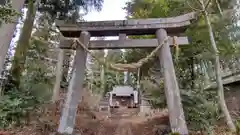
column 66, row 65
column 23, row 44
column 56, row 88
column 7, row 31
column 103, row 77
column 218, row 71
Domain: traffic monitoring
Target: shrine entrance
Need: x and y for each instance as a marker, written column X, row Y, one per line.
column 167, row 31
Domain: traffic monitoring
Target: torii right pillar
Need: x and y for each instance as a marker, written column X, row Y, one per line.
column 172, row 93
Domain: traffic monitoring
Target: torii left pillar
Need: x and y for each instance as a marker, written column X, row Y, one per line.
column 67, row 120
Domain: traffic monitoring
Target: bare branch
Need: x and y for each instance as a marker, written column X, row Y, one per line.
column 219, row 8
column 199, row 2
column 193, row 7
column 206, row 6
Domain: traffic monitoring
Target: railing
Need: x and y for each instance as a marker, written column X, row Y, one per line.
column 230, row 72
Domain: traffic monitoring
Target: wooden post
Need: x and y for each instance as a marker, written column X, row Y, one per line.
column 56, row 88
column 176, row 114
column 67, row 120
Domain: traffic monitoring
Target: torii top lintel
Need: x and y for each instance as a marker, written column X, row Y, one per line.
column 173, row 25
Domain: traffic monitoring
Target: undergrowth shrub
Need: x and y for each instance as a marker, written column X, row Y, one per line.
column 15, row 106
column 36, row 80
column 201, row 111
column 237, row 123
column 200, row 107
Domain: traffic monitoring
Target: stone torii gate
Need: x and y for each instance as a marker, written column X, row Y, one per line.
column 161, row 27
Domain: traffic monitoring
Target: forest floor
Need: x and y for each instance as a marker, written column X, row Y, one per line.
column 92, row 123
column 45, row 120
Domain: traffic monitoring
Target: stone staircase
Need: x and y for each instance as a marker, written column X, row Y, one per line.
column 103, row 104
column 123, row 112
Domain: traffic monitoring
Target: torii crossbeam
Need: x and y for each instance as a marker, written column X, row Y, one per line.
column 173, row 25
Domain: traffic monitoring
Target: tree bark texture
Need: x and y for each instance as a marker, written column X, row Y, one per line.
column 56, row 88
column 23, row 44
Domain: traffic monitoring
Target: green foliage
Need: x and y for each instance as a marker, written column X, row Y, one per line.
column 193, row 63
column 35, row 85
column 68, row 6
column 201, row 113
column 238, row 127
column 153, row 92
column 105, row 83
column 39, row 73
column 15, row 106
column 6, row 13
column 200, row 107
column 35, row 89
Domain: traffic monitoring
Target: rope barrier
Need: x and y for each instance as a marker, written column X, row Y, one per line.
column 122, row 66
